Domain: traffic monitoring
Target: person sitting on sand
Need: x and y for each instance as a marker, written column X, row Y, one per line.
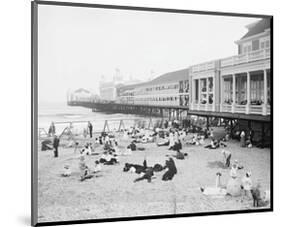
column 97, row 167
column 180, row 155
column 177, row 146
column 226, row 156
column 108, row 159
column 247, row 184
column 97, row 141
column 66, row 171
column 213, row 145
column 194, row 141
column 172, row 170
column 132, row 146
column 146, row 176
column 201, row 140
column 86, row 174
column 214, row 191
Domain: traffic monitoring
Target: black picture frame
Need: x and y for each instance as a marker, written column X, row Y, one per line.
column 34, row 109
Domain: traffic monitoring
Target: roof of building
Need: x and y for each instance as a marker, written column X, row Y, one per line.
column 81, row 90
column 257, row 27
column 165, row 78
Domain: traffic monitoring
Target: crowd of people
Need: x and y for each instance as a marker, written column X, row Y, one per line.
column 106, row 151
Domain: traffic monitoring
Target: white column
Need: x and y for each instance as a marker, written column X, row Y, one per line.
column 207, row 92
column 233, row 93
column 264, row 111
column 199, row 93
column 222, row 93
column 192, row 92
column 214, row 93
column 248, row 93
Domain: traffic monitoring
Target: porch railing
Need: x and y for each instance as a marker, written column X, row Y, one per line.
column 244, row 58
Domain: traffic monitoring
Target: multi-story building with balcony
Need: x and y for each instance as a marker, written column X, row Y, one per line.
column 240, row 83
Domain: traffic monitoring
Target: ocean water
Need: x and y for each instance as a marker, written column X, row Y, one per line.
column 61, row 115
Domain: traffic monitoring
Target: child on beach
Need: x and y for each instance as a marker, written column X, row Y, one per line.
column 97, row 167
column 247, row 184
column 66, row 171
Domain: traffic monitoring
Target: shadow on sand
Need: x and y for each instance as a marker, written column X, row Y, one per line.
column 216, row 164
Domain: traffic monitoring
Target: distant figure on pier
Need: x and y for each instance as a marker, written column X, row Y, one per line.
column 56, row 145
column 90, row 127
column 52, row 129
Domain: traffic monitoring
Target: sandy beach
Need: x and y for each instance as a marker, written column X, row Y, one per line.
column 112, row 193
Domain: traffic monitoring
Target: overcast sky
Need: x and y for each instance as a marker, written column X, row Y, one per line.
column 79, row 45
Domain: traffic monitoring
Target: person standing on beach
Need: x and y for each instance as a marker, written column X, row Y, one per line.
column 52, row 129
column 90, row 127
column 56, row 145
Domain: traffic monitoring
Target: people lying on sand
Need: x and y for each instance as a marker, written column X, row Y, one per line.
column 66, row 171
column 247, row 184
column 226, row 157
column 108, row 158
column 146, row 176
column 97, row 167
column 164, row 142
column 180, row 155
column 172, row 170
column 158, row 167
column 214, row 191
column 147, row 139
column 194, row 141
column 137, row 168
column 213, row 145
column 222, row 143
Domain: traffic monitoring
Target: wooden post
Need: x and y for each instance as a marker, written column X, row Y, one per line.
column 262, row 134
column 121, row 125
column 105, row 126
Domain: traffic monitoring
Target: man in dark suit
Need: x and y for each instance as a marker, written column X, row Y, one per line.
column 90, row 127
column 56, row 145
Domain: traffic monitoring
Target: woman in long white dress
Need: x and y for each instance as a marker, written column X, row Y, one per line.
column 171, row 140
column 233, row 187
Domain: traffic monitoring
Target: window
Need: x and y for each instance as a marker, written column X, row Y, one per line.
column 241, row 89
column 256, row 89
column 255, row 44
column 227, row 90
